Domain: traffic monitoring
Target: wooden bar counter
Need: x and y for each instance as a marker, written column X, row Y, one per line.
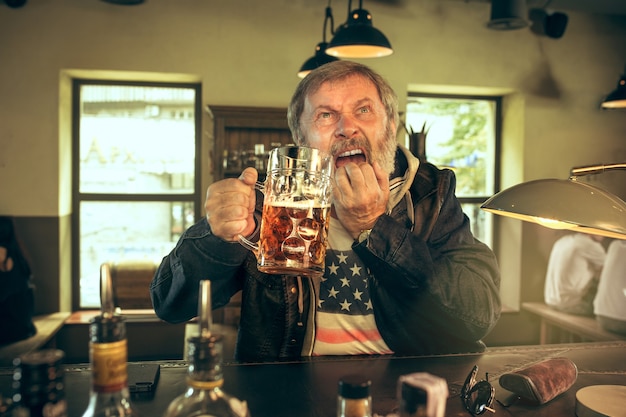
column 309, row 388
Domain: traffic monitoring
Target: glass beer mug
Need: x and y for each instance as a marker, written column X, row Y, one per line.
column 296, row 212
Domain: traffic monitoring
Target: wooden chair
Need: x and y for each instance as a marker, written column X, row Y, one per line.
column 131, row 283
column 131, row 292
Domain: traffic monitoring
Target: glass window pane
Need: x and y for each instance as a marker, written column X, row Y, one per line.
column 112, row 231
column 136, row 139
column 481, row 222
column 460, row 136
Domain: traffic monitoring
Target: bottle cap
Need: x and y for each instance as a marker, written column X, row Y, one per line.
column 354, row 386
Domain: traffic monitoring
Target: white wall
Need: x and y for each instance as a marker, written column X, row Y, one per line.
column 248, row 52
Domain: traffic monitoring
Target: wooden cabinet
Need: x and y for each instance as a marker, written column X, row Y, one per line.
column 238, row 132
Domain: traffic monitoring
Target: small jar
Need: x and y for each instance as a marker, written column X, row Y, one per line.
column 353, row 397
column 39, row 385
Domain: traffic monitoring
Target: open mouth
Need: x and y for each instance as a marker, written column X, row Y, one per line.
column 355, row 155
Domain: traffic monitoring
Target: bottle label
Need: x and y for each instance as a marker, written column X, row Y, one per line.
column 109, row 366
column 204, row 385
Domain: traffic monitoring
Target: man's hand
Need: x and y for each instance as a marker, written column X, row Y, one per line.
column 230, row 205
column 360, row 196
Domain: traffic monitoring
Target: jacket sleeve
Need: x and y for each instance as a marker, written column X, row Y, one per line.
column 197, row 255
column 435, row 287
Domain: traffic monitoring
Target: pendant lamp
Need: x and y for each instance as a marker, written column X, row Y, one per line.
column 565, row 204
column 508, row 15
column 321, row 57
column 617, row 98
column 358, row 38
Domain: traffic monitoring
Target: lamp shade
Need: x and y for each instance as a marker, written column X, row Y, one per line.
column 562, row 204
column 358, row 38
column 508, row 15
column 617, row 99
column 320, row 58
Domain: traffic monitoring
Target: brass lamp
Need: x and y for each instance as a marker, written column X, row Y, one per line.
column 565, row 204
column 358, row 38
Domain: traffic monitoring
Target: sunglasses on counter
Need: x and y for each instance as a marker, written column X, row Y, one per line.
column 477, row 396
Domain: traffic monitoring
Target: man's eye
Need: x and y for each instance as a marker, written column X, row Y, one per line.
column 326, row 117
column 364, row 110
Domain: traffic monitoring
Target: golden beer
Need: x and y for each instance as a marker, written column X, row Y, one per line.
column 293, row 239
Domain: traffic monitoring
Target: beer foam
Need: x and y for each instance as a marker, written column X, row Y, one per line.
column 304, row 204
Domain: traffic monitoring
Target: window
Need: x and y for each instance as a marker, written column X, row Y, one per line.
column 463, row 134
column 136, row 178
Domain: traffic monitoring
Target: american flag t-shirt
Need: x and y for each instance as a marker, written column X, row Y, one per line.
column 344, row 315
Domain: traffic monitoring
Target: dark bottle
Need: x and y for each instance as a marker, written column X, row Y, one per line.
column 204, row 395
column 108, row 357
column 39, row 384
column 422, row 395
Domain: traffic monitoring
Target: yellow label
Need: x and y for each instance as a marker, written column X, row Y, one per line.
column 109, row 366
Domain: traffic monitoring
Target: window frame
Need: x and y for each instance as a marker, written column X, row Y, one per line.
column 78, row 197
column 498, row 126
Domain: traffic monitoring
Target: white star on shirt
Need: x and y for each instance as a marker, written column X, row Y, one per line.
column 345, row 282
column 356, row 270
column 319, row 303
column 342, row 257
column 345, row 305
column 357, row 294
column 332, row 269
column 333, row 292
column 369, row 305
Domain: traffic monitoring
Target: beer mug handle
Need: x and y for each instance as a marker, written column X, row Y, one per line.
column 245, row 242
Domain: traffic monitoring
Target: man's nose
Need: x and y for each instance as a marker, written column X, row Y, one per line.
column 346, row 126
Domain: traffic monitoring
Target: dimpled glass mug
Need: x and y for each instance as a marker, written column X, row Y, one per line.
column 296, row 212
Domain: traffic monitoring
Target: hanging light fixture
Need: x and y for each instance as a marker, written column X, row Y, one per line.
column 508, row 15
column 321, row 57
column 565, row 204
column 358, row 38
column 617, row 99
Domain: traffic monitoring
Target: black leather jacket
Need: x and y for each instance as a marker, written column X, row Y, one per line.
column 434, row 287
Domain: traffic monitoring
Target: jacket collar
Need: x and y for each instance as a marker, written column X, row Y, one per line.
column 400, row 181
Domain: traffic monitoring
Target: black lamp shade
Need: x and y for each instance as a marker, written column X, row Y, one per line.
column 617, row 99
column 320, row 58
column 508, row 15
column 358, row 38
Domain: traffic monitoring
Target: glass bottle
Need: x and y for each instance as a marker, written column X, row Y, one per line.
column 204, row 395
column 353, row 397
column 108, row 357
column 39, row 384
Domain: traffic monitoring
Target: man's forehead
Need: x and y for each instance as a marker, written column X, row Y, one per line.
column 356, row 87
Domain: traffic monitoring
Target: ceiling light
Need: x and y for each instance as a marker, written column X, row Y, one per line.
column 565, row 204
column 321, row 57
column 617, row 98
column 358, row 38
column 508, row 15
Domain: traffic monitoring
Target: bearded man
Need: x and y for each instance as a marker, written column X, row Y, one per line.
column 403, row 273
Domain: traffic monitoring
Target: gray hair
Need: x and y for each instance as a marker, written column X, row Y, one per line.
column 337, row 71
